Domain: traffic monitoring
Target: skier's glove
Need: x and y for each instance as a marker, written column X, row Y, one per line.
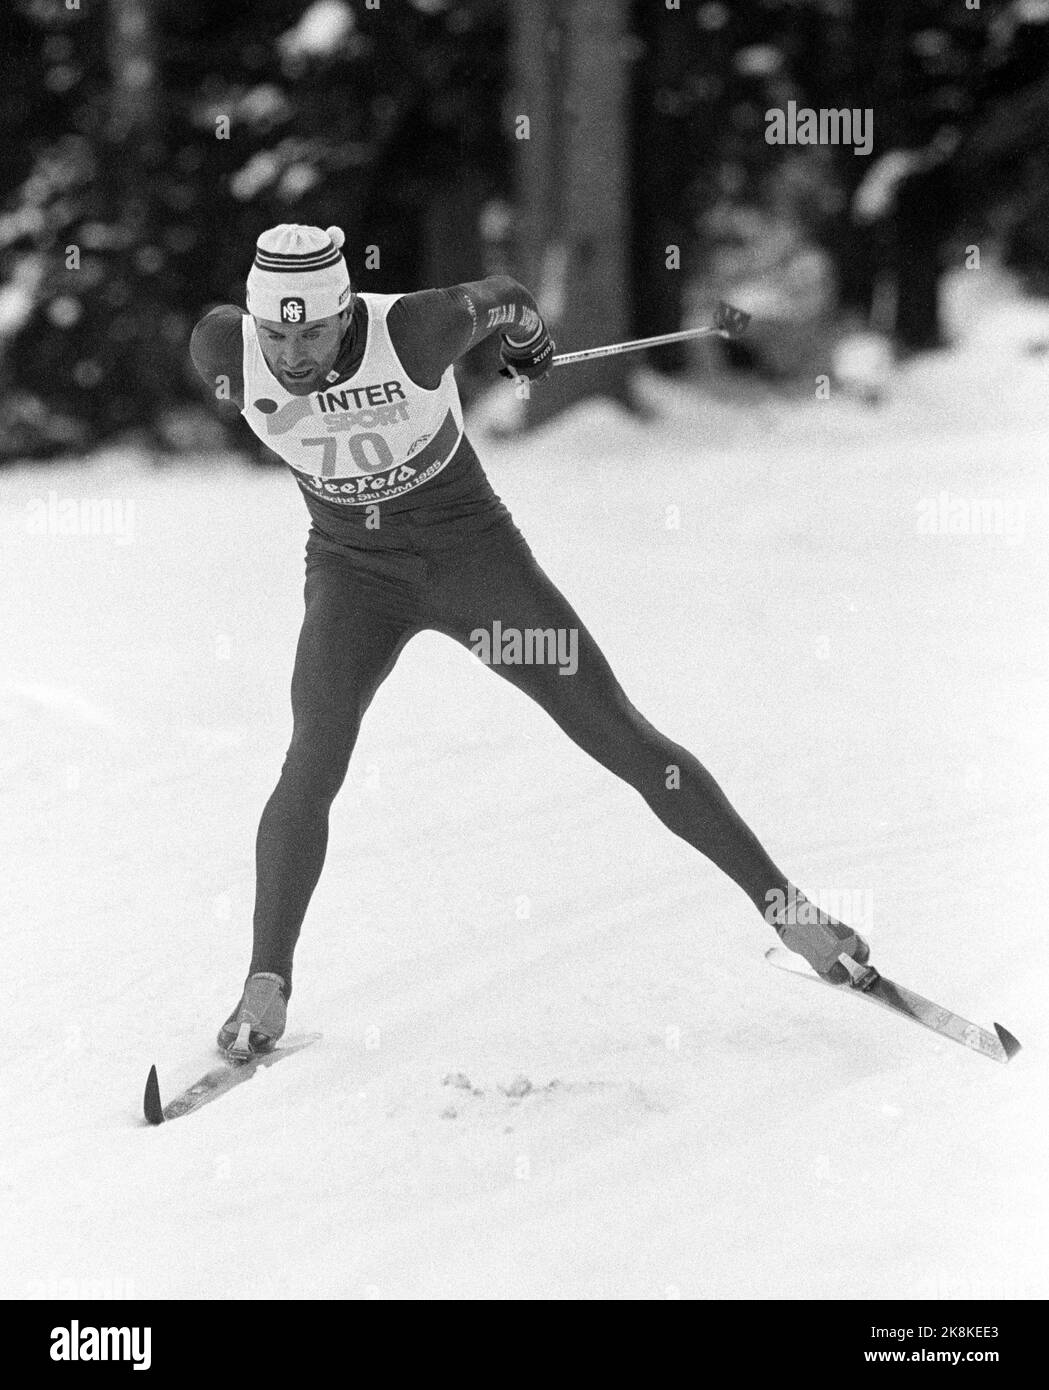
column 531, row 359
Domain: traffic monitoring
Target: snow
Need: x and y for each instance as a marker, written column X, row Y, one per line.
column 554, row 1063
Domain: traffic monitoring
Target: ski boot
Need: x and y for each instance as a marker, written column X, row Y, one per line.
column 821, row 939
column 258, row 1020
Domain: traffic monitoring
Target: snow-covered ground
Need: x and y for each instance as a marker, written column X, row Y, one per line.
column 554, row 1061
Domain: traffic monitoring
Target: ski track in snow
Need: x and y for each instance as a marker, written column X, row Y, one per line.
column 554, row 1062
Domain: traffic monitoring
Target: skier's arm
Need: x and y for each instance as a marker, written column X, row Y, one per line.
column 433, row 328
column 215, row 347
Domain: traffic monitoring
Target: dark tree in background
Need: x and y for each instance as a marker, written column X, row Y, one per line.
column 1002, row 167
column 677, row 82
column 147, row 142
column 959, row 96
column 570, row 63
column 161, row 136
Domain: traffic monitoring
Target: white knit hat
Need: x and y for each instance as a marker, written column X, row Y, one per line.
column 298, row 274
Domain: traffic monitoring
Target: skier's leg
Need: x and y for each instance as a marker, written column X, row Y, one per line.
column 355, row 625
column 506, row 584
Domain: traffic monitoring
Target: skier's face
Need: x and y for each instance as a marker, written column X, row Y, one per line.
column 301, row 355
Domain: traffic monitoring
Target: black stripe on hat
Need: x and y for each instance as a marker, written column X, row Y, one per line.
column 307, row 260
column 322, row 253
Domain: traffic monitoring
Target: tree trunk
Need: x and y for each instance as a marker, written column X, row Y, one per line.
column 664, row 184
column 131, row 45
column 146, row 360
column 922, row 212
column 570, row 77
column 846, row 80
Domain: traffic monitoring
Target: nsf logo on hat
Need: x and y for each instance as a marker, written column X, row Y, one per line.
column 292, row 310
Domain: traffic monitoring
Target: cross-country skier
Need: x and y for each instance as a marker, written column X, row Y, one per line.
column 356, row 393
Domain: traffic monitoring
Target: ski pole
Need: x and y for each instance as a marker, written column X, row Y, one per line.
column 729, row 322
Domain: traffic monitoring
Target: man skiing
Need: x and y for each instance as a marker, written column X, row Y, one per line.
column 356, row 393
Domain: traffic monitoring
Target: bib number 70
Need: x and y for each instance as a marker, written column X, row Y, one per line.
column 358, row 445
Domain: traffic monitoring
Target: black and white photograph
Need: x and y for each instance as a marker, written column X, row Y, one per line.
column 524, row 663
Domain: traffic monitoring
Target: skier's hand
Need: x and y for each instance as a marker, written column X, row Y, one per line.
column 531, row 359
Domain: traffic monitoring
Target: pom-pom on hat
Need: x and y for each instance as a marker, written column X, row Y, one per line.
column 299, row 274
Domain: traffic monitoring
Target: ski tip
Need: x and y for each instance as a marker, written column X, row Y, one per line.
column 790, row 960
column 151, row 1106
column 1009, row 1044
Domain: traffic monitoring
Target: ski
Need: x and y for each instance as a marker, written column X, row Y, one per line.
column 216, row 1082
column 1000, row 1045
